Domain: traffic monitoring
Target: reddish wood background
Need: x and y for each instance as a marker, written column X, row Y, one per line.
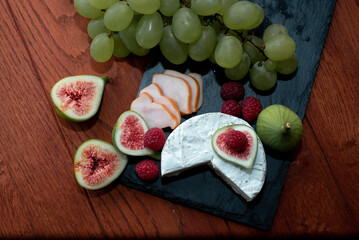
column 44, row 41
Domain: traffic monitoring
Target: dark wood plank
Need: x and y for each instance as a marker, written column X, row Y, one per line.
column 114, row 207
column 37, row 185
column 119, row 212
column 44, row 41
column 334, row 101
column 322, row 182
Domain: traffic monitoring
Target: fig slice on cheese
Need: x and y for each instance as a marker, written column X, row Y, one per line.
column 154, row 114
column 199, row 79
column 177, row 89
column 189, row 145
column 192, row 82
column 156, row 93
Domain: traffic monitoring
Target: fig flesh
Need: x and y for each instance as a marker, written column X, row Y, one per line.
column 128, row 135
column 279, row 128
column 78, row 98
column 244, row 158
column 97, row 164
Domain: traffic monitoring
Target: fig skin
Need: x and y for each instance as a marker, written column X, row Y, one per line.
column 245, row 163
column 67, row 80
column 279, row 128
column 144, row 152
column 110, row 148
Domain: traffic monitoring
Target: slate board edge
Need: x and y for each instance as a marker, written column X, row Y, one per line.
column 212, row 211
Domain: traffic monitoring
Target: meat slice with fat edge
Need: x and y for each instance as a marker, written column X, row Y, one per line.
column 155, row 114
column 156, row 93
column 199, row 79
column 177, row 89
column 195, row 88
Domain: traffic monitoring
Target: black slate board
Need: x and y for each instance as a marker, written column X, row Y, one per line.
column 308, row 22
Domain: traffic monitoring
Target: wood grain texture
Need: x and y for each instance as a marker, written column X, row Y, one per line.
column 44, row 41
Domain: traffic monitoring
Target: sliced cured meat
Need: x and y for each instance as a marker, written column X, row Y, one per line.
column 156, row 93
column 155, row 114
column 199, row 79
column 177, row 89
column 195, row 88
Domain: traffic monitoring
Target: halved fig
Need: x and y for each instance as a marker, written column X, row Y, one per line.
column 192, row 82
column 97, row 164
column 128, row 135
column 155, row 91
column 78, row 98
column 243, row 158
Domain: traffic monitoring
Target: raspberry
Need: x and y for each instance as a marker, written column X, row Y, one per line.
column 251, row 107
column 154, row 139
column 147, row 170
column 236, row 140
column 231, row 107
column 232, row 90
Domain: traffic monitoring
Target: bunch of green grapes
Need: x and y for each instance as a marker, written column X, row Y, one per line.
column 265, row 57
column 217, row 30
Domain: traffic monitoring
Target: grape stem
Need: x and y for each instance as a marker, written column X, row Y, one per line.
column 218, row 18
column 186, row 3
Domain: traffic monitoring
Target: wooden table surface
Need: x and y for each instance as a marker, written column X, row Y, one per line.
column 44, row 41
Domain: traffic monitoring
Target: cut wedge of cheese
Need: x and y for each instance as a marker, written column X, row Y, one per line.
column 195, row 88
column 154, row 114
column 199, row 79
column 156, row 93
column 177, row 89
column 189, row 145
column 245, row 182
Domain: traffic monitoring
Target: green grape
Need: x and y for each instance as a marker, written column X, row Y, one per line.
column 118, row 16
column 260, row 18
column 169, row 7
column 144, row 6
column 149, row 30
column 274, row 29
column 270, row 65
column 102, row 4
column 220, row 36
column 206, row 7
column 216, row 26
column 120, row 50
column 225, row 5
column 241, row 15
column 85, row 9
column 96, row 26
column 240, row 71
column 279, row 47
column 212, row 58
column 261, row 78
column 137, row 16
column 174, row 50
column 228, row 52
column 235, row 34
column 288, row 66
column 128, row 37
column 254, row 54
column 186, row 25
column 202, row 49
column 101, row 48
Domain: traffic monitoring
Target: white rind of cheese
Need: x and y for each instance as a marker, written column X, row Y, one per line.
column 189, row 145
column 246, row 182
